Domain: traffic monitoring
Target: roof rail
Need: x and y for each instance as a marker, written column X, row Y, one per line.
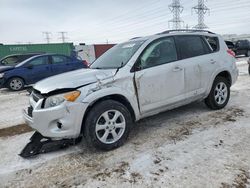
column 185, row 30
column 135, row 38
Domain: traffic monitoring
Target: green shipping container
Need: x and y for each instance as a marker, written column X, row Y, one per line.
column 58, row 48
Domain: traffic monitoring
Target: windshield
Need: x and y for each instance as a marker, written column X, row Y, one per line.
column 117, row 56
column 10, row 61
column 27, row 60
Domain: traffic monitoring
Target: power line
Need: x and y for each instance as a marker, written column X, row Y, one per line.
column 201, row 9
column 47, row 36
column 176, row 9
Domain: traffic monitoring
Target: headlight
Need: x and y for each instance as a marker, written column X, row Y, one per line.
column 59, row 99
column 1, row 75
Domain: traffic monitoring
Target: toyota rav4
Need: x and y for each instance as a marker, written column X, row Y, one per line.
column 131, row 81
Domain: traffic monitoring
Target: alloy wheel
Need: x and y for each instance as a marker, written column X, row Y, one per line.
column 220, row 93
column 110, row 126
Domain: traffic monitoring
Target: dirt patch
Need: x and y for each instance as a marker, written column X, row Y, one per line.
column 122, row 171
column 228, row 115
column 242, row 180
column 15, row 130
column 119, row 171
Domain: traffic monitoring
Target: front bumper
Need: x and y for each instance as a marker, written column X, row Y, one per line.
column 2, row 81
column 63, row 121
column 235, row 75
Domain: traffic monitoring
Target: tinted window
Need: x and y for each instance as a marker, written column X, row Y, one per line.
column 213, row 43
column 60, row 59
column 39, row 61
column 159, row 52
column 242, row 43
column 190, row 46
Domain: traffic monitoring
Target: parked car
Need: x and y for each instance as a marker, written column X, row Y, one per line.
column 242, row 47
column 16, row 75
column 16, row 58
column 131, row 81
column 230, row 45
column 248, row 66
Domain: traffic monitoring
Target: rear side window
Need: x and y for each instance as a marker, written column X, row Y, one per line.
column 190, row 46
column 60, row 59
column 213, row 43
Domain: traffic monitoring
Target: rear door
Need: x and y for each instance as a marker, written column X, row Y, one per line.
column 37, row 69
column 195, row 61
column 159, row 76
column 61, row 64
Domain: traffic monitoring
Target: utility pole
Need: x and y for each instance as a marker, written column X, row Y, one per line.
column 63, row 36
column 47, row 36
column 176, row 9
column 201, row 9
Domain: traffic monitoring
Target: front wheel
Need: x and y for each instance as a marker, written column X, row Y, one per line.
column 16, row 84
column 107, row 125
column 219, row 94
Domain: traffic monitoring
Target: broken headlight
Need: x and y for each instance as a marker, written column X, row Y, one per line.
column 56, row 100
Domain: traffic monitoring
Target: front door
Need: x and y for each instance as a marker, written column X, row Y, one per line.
column 37, row 69
column 159, row 77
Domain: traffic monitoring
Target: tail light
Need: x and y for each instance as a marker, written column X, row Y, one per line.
column 231, row 52
column 85, row 63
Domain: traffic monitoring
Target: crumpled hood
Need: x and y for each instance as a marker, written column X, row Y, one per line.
column 73, row 79
column 5, row 68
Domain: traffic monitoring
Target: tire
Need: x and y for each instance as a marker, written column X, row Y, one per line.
column 249, row 69
column 248, row 53
column 101, row 131
column 16, row 84
column 219, row 94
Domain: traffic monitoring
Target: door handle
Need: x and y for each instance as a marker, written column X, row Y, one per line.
column 212, row 61
column 177, row 68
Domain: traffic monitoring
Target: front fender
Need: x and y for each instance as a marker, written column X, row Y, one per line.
column 128, row 93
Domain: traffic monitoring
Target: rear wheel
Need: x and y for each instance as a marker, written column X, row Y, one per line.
column 107, row 125
column 219, row 94
column 248, row 53
column 16, row 84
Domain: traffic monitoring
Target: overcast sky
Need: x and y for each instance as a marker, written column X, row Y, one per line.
column 96, row 21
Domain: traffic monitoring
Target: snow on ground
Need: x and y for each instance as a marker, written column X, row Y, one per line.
column 10, row 148
column 191, row 146
column 11, row 105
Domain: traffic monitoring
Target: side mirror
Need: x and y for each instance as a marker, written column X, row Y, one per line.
column 137, row 66
column 29, row 66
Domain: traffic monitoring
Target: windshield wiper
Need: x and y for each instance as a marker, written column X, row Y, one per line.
column 117, row 70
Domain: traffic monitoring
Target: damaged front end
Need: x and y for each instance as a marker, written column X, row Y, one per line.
column 57, row 115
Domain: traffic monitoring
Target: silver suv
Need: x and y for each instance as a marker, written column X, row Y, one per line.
column 131, row 81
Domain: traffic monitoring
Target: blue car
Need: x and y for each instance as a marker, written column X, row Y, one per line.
column 36, row 68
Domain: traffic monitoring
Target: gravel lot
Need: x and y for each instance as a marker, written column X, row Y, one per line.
column 191, row 146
